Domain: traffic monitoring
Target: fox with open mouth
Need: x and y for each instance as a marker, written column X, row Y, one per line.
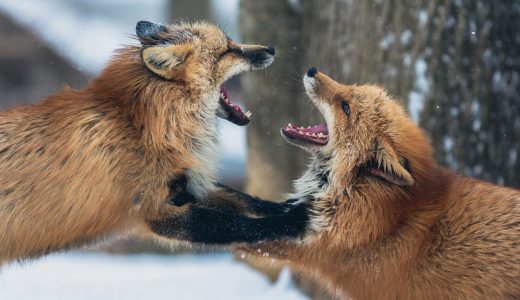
column 87, row 164
column 386, row 221
column 375, row 217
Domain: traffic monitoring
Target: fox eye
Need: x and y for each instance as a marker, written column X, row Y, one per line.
column 345, row 107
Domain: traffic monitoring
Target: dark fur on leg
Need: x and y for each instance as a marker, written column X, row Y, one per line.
column 229, row 216
column 245, row 203
column 210, row 226
column 178, row 195
column 225, row 198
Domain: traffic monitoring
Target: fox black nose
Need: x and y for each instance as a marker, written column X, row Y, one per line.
column 312, row 71
column 270, row 50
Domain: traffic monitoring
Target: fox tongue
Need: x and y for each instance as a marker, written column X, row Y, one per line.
column 318, row 128
column 311, row 130
column 318, row 134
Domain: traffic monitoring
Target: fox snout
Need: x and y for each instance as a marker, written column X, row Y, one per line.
column 320, row 86
column 258, row 57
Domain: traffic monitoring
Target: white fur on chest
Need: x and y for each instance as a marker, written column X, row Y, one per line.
column 201, row 180
column 312, row 186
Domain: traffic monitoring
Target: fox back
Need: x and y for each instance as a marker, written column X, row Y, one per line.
column 87, row 164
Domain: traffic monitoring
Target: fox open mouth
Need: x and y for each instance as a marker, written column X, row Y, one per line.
column 317, row 135
column 230, row 111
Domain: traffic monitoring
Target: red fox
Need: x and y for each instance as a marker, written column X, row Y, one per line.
column 87, row 164
column 387, row 222
column 378, row 217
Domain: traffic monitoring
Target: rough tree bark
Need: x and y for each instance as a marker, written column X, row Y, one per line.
column 473, row 109
column 271, row 96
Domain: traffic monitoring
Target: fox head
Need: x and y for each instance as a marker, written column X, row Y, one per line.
column 368, row 136
column 202, row 57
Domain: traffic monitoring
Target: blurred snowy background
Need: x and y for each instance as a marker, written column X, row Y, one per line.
column 454, row 64
column 146, row 276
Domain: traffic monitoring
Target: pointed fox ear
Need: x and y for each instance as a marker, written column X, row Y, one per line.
column 149, row 33
column 388, row 165
column 165, row 60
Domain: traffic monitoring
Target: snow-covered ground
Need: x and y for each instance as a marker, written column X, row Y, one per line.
column 102, row 276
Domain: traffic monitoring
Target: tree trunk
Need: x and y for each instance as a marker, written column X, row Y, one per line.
column 473, row 109
column 271, row 96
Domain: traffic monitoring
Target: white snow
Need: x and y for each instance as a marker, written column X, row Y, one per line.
column 422, row 17
column 448, row 143
column 415, row 105
column 100, row 276
column 406, row 37
column 512, row 156
column 387, row 40
column 417, row 96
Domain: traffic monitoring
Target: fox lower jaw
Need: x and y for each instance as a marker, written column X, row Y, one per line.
column 262, row 65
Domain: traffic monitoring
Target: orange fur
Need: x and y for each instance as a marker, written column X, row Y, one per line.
column 444, row 237
column 85, row 164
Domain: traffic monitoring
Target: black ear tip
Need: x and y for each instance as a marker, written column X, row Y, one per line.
column 145, row 28
column 141, row 27
column 312, row 71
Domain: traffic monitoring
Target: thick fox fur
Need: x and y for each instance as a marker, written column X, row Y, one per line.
column 86, row 164
column 387, row 222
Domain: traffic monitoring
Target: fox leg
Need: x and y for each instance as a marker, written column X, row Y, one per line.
column 225, row 199
column 210, row 226
column 225, row 217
